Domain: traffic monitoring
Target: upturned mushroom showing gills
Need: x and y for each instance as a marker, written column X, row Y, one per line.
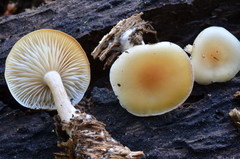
column 152, row 79
column 215, row 55
column 48, row 69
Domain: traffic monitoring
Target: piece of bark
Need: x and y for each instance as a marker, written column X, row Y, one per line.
column 90, row 139
column 110, row 47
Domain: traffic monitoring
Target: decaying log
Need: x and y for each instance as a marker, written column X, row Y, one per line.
column 201, row 128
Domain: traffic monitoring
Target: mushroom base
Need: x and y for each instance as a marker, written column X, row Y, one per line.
column 89, row 139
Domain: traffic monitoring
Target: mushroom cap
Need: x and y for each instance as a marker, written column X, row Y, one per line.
column 215, row 56
column 152, row 79
column 38, row 53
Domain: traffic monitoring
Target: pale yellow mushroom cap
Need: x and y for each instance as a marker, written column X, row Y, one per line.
column 215, row 56
column 152, row 79
column 38, row 53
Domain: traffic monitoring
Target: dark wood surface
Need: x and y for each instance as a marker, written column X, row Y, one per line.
column 201, row 128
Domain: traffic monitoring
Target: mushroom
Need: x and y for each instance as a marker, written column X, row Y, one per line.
column 48, row 69
column 215, row 55
column 152, row 79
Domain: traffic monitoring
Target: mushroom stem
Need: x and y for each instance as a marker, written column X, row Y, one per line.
column 62, row 102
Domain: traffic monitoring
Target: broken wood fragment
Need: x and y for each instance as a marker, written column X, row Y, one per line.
column 236, row 96
column 90, row 139
column 110, row 47
column 235, row 115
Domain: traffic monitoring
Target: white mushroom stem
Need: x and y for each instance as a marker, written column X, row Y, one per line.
column 62, row 102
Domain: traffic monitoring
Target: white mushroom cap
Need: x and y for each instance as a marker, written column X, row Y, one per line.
column 38, row 53
column 152, row 79
column 215, row 56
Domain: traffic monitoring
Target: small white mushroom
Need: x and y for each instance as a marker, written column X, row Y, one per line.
column 215, row 55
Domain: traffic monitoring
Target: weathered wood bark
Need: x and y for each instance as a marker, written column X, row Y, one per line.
column 111, row 45
column 201, row 128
